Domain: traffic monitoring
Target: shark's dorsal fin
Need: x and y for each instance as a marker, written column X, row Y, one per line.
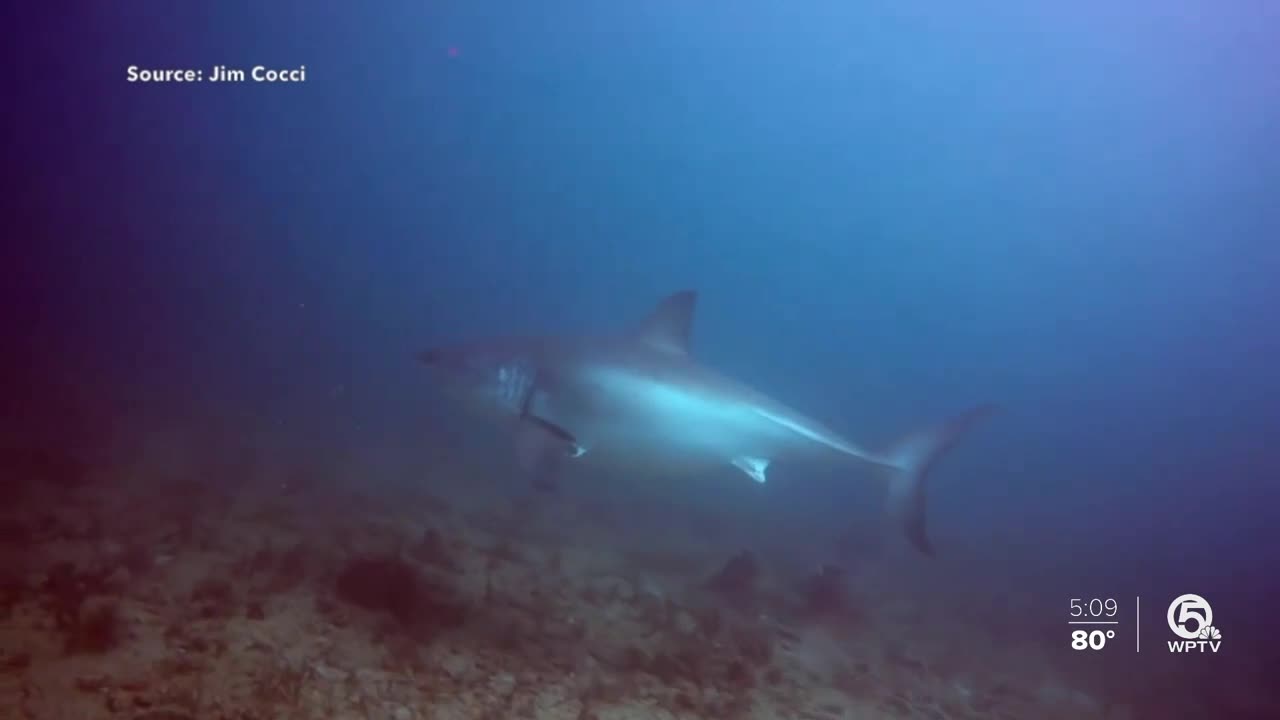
column 669, row 324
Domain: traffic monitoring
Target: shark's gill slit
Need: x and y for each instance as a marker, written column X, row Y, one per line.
column 515, row 385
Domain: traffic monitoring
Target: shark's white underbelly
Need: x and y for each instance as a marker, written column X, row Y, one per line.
column 623, row 417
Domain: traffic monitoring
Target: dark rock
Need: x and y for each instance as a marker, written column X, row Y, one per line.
column 92, row 683
column 214, row 597
column 432, row 550
column 116, row 701
column 826, row 592
column 390, row 585
column 97, row 630
column 710, row 622
column 64, row 591
column 665, row 668
column 16, row 661
column 290, row 570
column 737, row 577
column 633, row 659
column 753, row 646
column 739, row 676
column 88, row 627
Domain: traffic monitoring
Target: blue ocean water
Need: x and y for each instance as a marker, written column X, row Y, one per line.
column 890, row 210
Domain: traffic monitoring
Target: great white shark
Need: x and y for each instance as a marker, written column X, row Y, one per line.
column 637, row 398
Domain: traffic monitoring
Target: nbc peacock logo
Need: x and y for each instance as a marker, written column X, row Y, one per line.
column 1191, row 619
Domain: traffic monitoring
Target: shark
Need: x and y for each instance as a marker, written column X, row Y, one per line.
column 638, row 399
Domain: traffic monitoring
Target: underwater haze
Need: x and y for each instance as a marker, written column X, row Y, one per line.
column 891, row 210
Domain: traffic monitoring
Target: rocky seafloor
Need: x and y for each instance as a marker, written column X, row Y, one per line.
column 154, row 596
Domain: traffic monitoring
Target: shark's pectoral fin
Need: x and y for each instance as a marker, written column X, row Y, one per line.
column 549, row 430
column 754, row 467
column 541, row 446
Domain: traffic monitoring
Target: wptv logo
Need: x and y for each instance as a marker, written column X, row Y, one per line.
column 1191, row 619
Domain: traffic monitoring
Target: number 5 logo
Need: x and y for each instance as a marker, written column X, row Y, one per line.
column 1189, row 608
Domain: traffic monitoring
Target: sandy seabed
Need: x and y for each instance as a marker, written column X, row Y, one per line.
column 146, row 596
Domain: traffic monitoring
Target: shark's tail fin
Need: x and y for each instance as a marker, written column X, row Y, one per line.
column 913, row 457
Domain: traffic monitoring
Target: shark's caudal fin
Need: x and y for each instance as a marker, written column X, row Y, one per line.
column 913, row 457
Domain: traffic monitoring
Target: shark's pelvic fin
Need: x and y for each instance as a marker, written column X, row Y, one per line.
column 913, row 457
column 670, row 323
column 753, row 467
